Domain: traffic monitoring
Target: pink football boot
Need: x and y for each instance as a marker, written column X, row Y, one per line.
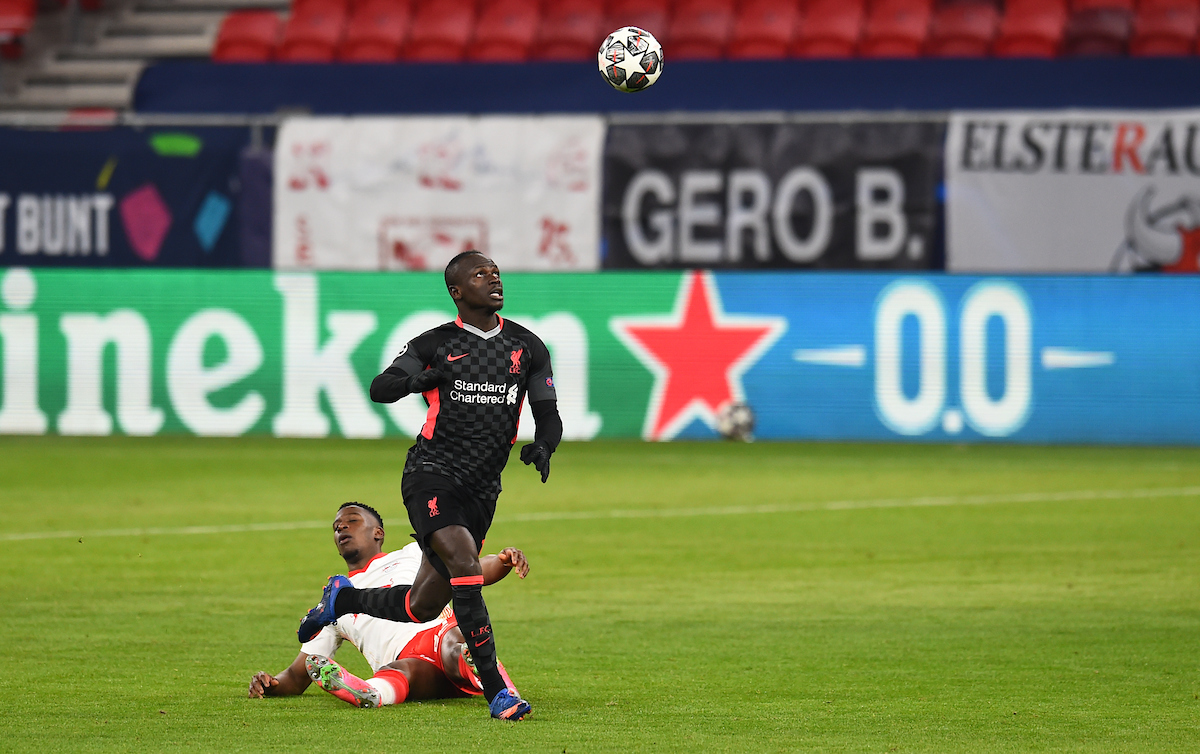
column 340, row 682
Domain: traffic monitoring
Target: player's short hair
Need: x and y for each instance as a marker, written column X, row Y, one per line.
column 454, row 264
column 365, row 507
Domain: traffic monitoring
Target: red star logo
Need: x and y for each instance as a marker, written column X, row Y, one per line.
column 697, row 354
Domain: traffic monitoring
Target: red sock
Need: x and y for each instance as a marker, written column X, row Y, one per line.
column 464, row 669
column 396, row 680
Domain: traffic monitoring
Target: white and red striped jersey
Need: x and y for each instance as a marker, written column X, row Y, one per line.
column 379, row 640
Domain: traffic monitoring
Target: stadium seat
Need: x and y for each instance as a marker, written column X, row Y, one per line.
column 1098, row 32
column 829, row 29
column 700, row 29
column 651, row 15
column 1031, row 29
column 375, row 32
column 763, row 29
column 16, row 18
column 440, row 31
column 247, row 36
column 313, row 32
column 963, row 29
column 1078, row 5
column 505, row 31
column 570, row 30
column 1165, row 27
column 895, row 29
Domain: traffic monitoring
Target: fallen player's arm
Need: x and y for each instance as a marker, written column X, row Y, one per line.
column 293, row 680
column 496, row 567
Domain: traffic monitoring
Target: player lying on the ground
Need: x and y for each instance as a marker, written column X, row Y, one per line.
column 411, row 661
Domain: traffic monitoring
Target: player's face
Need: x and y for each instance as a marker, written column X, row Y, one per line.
column 480, row 286
column 355, row 532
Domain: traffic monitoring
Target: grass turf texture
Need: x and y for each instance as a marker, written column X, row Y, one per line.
column 1067, row 625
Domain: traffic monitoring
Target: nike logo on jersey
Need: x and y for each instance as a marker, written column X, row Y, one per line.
column 455, row 358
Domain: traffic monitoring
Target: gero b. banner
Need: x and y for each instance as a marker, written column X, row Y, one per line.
column 636, row 354
column 837, row 195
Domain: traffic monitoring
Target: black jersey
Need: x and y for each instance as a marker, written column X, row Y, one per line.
column 472, row 421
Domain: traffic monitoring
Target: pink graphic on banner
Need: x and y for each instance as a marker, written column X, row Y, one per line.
column 146, row 219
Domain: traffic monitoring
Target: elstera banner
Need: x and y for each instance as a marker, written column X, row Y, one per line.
column 1073, row 192
column 762, row 195
column 390, row 193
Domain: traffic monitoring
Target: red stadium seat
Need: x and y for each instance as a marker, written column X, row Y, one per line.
column 1078, row 5
column 651, row 15
column 700, row 29
column 440, row 31
column 829, row 29
column 312, row 34
column 963, row 29
column 1164, row 4
column 326, row 6
column 375, row 32
column 1162, row 29
column 895, row 29
column 505, row 31
column 1031, row 29
column 1098, row 32
column 763, row 29
column 247, row 36
column 571, row 30
column 16, row 18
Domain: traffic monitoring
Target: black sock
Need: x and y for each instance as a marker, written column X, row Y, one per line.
column 389, row 602
column 473, row 621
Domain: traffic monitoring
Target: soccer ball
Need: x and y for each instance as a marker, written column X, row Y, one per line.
column 631, row 59
column 735, row 421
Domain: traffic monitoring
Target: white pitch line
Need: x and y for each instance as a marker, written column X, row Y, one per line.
column 733, row 510
column 169, row 531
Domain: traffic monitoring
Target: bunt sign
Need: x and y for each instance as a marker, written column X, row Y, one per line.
column 120, row 197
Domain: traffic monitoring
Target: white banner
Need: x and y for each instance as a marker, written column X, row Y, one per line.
column 410, row 193
column 1073, row 192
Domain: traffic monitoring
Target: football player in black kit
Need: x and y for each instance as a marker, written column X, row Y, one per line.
column 475, row 373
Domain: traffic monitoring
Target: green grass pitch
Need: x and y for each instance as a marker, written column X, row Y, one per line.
column 765, row 597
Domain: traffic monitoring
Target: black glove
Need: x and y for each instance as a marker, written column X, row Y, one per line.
column 537, row 453
column 426, row 380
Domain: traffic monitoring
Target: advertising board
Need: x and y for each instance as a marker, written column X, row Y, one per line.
column 120, row 197
column 1082, row 191
column 651, row 355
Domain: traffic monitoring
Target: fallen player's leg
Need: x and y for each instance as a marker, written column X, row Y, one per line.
column 343, row 684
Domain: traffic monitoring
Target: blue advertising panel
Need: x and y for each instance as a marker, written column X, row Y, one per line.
column 120, row 197
column 959, row 358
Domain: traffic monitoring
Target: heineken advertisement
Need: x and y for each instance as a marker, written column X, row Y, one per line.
column 636, row 354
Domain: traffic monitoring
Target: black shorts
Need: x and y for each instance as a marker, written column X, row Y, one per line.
column 435, row 502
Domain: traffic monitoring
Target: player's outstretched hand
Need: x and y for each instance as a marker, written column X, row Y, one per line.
column 511, row 557
column 261, row 683
column 426, row 380
column 537, row 453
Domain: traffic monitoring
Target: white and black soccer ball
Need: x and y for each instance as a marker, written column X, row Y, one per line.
column 735, row 421
column 631, row 59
